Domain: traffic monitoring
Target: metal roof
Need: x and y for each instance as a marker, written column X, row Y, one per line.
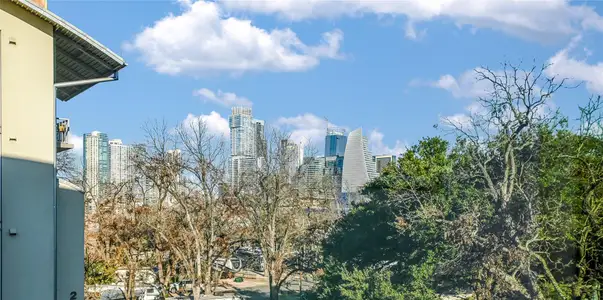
column 77, row 55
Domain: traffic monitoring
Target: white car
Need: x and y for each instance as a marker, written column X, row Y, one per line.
column 150, row 293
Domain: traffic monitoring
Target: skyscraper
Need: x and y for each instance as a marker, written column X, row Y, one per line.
column 248, row 143
column 335, row 142
column 292, row 155
column 242, row 132
column 358, row 165
column 122, row 166
column 97, row 161
column 313, row 169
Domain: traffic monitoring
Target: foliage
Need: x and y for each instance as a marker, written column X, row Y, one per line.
column 356, row 284
column 512, row 209
column 98, row 272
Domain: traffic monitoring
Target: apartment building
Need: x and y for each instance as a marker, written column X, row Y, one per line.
column 42, row 58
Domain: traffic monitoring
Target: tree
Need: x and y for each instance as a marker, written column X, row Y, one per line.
column 196, row 223
column 511, row 210
column 396, row 230
column 118, row 234
column 156, row 174
column 279, row 208
column 501, row 140
column 358, row 284
column 208, row 220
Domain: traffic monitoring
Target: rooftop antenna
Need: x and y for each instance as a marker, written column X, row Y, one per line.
column 327, row 120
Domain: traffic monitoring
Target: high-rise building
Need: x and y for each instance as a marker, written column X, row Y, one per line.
column 381, row 161
column 313, row 169
column 122, row 166
column 334, row 168
column 335, row 142
column 292, row 155
column 260, row 138
column 358, row 165
column 242, row 132
column 248, row 144
column 97, row 162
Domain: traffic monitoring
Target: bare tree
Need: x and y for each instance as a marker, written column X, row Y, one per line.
column 156, row 174
column 68, row 167
column 279, row 209
column 197, row 224
column 118, row 234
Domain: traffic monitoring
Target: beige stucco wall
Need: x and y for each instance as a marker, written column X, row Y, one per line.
column 27, row 85
column 28, row 175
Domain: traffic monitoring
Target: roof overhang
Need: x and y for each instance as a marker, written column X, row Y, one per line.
column 78, row 57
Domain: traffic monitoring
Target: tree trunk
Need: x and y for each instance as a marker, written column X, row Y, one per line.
column 273, row 288
column 130, row 295
column 161, row 276
column 207, row 279
column 196, row 291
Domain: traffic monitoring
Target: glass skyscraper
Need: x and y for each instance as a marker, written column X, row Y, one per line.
column 247, row 142
column 335, row 142
column 97, row 162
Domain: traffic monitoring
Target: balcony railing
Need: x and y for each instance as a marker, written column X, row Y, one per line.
column 63, row 135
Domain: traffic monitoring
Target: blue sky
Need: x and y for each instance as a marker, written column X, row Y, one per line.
column 394, row 68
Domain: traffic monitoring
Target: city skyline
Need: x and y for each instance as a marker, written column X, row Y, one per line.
column 396, row 94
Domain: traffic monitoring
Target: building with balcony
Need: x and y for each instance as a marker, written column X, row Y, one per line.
column 121, row 168
column 42, row 58
column 248, row 144
column 97, row 163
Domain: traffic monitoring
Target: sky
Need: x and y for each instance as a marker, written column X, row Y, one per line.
column 394, row 68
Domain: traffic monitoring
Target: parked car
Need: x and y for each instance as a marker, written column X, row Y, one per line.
column 151, row 293
column 183, row 286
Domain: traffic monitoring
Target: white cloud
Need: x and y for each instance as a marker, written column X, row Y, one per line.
column 78, row 143
column 378, row 147
column 540, row 20
column 465, row 85
column 222, row 98
column 202, row 39
column 306, row 129
column 563, row 65
column 214, row 122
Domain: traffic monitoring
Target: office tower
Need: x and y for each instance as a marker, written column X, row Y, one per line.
column 313, row 169
column 334, row 168
column 358, row 165
column 248, row 144
column 335, row 142
column 122, row 166
column 381, row 161
column 97, row 162
column 291, row 156
column 334, row 165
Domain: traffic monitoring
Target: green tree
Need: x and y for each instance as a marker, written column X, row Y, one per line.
column 356, row 284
